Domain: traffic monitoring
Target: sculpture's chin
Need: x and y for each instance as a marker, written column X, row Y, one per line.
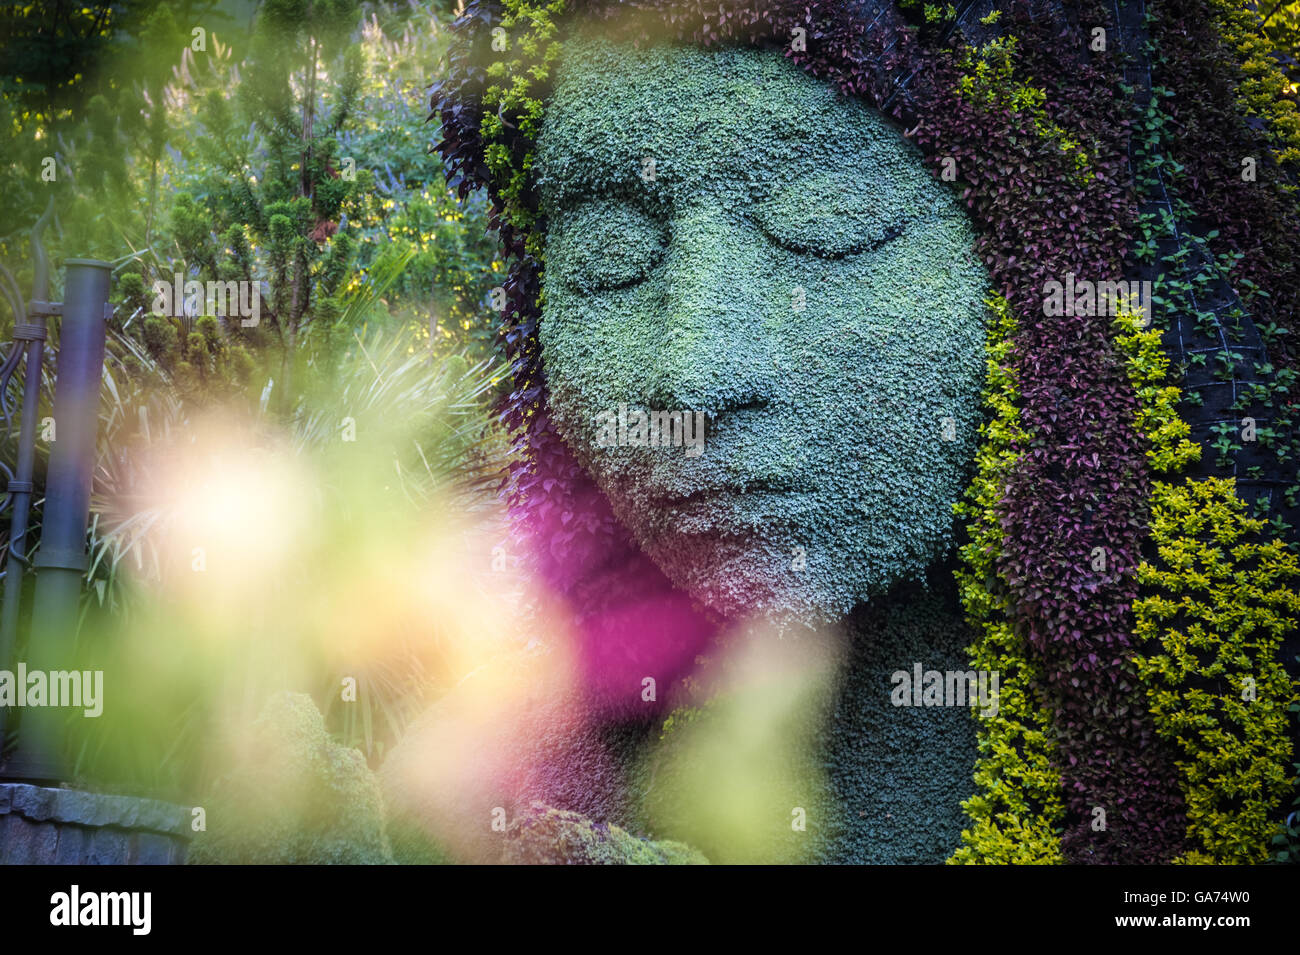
column 758, row 555
column 807, row 554
column 740, row 576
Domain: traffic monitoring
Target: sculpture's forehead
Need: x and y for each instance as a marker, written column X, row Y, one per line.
column 712, row 120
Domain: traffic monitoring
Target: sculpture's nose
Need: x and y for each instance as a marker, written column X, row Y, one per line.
column 716, row 354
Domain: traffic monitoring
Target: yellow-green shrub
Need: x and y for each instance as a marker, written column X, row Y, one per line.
column 1017, row 809
column 1264, row 90
column 1213, row 611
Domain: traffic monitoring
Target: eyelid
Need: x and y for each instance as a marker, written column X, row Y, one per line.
column 592, row 231
column 832, row 213
column 801, row 246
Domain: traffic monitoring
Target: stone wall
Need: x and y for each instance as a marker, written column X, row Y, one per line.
column 44, row 826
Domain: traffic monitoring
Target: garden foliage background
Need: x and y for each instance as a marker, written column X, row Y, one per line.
column 288, row 148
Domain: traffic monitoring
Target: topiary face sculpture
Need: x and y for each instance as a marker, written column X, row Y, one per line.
column 762, row 325
column 710, row 230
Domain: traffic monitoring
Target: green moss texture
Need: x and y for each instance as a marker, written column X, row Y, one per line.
column 899, row 774
column 879, row 783
column 544, row 836
column 296, row 798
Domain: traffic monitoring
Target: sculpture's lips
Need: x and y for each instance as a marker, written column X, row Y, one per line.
column 702, row 497
column 701, row 502
column 724, row 513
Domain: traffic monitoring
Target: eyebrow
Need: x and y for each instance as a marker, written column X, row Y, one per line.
column 583, row 177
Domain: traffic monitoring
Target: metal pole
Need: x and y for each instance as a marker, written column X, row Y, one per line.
column 61, row 561
column 20, row 489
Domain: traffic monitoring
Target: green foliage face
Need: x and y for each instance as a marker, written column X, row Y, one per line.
column 728, row 237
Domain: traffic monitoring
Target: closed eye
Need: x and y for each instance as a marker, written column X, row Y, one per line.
column 602, row 244
column 828, row 240
column 830, row 217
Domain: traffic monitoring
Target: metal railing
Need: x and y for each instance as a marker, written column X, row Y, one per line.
column 60, row 561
